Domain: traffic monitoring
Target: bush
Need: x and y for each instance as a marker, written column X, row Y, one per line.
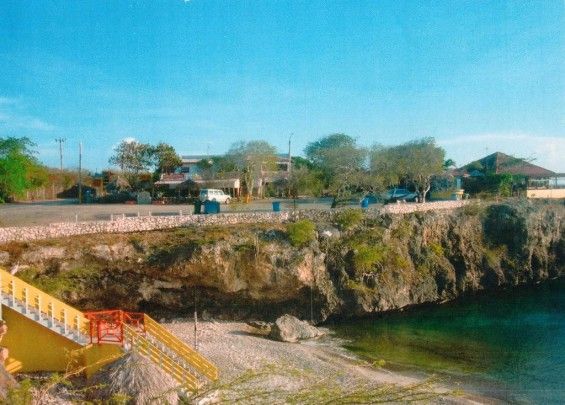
column 349, row 218
column 367, row 256
column 301, row 232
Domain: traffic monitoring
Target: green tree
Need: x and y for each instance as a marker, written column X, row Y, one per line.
column 166, row 159
column 342, row 164
column 19, row 169
column 251, row 160
column 415, row 162
column 133, row 158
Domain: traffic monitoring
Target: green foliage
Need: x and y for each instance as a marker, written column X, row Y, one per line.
column 366, row 257
column 132, row 158
column 472, row 209
column 65, row 282
column 491, row 185
column 165, row 158
column 19, row 169
column 19, row 395
column 349, row 218
column 436, row 249
column 415, row 162
column 403, row 229
column 301, row 232
column 250, row 159
column 341, row 163
column 305, row 181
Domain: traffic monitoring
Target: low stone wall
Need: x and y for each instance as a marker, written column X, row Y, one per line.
column 136, row 224
column 150, row 223
column 431, row 206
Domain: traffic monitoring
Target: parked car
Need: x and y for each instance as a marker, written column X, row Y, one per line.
column 400, row 194
column 212, row 194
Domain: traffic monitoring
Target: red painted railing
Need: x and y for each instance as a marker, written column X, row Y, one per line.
column 108, row 326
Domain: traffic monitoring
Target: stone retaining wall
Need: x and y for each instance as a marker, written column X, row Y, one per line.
column 149, row 223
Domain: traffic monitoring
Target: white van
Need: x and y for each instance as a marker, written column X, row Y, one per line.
column 212, row 194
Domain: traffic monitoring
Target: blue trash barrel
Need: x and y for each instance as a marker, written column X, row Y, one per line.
column 217, row 206
column 365, row 203
column 276, row 206
column 211, row 207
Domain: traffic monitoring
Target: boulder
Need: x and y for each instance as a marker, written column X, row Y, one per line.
column 263, row 327
column 287, row 328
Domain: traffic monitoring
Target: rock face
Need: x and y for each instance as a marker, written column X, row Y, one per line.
column 287, row 328
column 360, row 264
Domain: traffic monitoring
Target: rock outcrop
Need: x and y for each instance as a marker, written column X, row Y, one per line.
column 360, row 263
column 288, row 328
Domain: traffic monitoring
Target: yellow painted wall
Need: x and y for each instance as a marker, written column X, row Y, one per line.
column 36, row 347
column 94, row 357
column 546, row 193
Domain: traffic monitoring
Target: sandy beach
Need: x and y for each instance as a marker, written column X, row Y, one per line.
column 236, row 348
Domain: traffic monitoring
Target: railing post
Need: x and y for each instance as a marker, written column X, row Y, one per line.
column 13, row 286
column 65, row 320
column 77, row 324
column 26, row 301
column 39, row 304
column 52, row 314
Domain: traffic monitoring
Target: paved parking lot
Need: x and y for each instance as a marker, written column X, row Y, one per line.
column 46, row 212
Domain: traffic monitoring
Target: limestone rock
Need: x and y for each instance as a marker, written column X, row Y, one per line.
column 288, row 328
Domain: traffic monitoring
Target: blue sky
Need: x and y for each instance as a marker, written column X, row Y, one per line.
column 479, row 76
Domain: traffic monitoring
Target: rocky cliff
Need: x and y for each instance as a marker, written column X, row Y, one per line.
column 355, row 265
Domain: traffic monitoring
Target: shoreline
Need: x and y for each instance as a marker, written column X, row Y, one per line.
column 236, row 348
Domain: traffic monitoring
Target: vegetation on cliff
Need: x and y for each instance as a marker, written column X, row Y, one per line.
column 354, row 264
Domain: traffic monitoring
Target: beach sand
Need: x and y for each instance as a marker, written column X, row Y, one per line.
column 236, row 348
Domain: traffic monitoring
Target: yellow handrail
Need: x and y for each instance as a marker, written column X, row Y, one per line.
column 160, row 358
column 189, row 355
column 33, row 298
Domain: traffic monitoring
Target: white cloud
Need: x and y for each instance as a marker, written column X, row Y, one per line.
column 13, row 117
column 546, row 151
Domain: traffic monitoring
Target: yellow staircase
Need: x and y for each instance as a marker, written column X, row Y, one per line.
column 43, row 330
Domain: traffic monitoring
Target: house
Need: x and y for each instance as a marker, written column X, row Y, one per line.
column 191, row 177
column 537, row 181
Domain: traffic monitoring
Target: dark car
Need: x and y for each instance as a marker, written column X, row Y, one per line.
column 400, row 194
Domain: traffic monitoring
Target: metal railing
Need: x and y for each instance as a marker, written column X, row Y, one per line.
column 136, row 342
column 181, row 349
column 33, row 299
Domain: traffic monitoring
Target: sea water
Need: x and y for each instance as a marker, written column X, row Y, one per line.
column 508, row 345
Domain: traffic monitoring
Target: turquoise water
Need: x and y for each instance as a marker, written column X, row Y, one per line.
column 508, row 345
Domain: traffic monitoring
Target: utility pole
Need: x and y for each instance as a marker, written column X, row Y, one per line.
column 80, row 173
column 289, row 155
column 60, row 141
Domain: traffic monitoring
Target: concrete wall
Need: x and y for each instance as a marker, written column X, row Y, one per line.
column 149, row 223
column 34, row 346
column 546, row 193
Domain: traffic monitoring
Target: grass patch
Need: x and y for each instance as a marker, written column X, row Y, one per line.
column 301, row 233
column 349, row 218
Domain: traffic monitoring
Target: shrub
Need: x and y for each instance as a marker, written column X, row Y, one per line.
column 349, row 218
column 437, row 249
column 301, row 232
column 367, row 256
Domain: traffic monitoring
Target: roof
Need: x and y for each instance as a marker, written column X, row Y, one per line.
column 500, row 163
